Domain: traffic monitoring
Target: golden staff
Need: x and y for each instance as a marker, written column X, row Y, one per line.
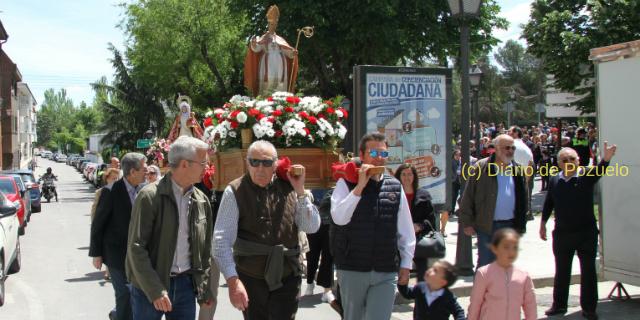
column 308, row 32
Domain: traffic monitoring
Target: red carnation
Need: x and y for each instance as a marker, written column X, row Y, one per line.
column 329, row 103
column 278, row 133
column 253, row 112
column 303, row 114
column 227, row 105
column 288, row 109
column 271, row 119
column 312, row 119
column 234, row 124
column 344, row 112
column 277, row 113
column 234, row 114
column 270, row 99
column 218, row 116
column 321, row 115
column 307, row 130
column 330, row 110
column 208, row 122
column 260, row 116
column 294, row 100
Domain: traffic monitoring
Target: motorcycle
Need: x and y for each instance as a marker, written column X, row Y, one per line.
column 49, row 190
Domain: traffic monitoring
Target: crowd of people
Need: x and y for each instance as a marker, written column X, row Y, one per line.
column 168, row 239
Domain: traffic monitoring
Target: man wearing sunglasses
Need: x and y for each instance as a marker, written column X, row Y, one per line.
column 494, row 197
column 570, row 197
column 256, row 236
column 372, row 237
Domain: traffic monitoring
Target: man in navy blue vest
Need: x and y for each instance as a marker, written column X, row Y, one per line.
column 372, row 236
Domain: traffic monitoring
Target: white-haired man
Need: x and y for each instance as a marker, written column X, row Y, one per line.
column 169, row 248
column 256, row 236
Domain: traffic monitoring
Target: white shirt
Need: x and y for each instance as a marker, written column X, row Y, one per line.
column 344, row 202
column 576, row 173
column 182, row 255
column 432, row 295
column 523, row 155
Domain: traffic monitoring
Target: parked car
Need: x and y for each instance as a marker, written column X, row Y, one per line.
column 97, row 175
column 61, row 158
column 9, row 242
column 46, row 154
column 88, row 170
column 80, row 162
column 32, row 185
column 10, row 189
column 24, row 194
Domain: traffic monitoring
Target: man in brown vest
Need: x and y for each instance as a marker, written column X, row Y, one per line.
column 256, row 237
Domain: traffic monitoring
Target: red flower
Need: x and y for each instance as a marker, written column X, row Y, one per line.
column 271, row 119
column 294, row 100
column 321, row 115
column 234, row 124
column 260, row 116
column 234, row 114
column 303, row 114
column 312, row 119
column 208, row 122
column 253, row 112
column 329, row 103
column 270, row 99
column 307, row 130
column 278, row 133
column 288, row 109
column 330, row 110
column 218, row 116
column 227, row 105
column 344, row 112
column 277, row 113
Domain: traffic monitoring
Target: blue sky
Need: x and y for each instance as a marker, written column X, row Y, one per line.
column 63, row 43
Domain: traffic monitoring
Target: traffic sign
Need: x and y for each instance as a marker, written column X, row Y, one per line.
column 143, row 143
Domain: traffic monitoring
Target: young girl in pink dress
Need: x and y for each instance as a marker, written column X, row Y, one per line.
column 501, row 290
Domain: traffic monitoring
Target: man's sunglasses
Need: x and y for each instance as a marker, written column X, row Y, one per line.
column 378, row 153
column 256, row 162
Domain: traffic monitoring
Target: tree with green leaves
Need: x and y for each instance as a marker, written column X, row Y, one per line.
column 374, row 32
column 561, row 33
column 129, row 105
column 188, row 47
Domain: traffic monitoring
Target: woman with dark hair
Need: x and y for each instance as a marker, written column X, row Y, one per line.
column 422, row 212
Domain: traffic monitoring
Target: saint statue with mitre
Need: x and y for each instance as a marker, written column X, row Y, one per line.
column 271, row 63
column 186, row 123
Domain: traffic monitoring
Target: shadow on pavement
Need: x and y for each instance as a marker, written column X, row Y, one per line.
column 310, row 301
column 93, row 276
column 83, row 248
column 607, row 309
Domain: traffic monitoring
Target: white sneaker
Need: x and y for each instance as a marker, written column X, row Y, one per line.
column 328, row 297
column 309, row 291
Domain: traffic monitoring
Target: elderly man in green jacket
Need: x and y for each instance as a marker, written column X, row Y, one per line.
column 170, row 233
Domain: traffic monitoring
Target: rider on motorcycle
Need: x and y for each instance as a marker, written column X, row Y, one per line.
column 48, row 178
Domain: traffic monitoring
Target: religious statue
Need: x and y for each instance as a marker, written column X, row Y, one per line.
column 271, row 63
column 186, row 123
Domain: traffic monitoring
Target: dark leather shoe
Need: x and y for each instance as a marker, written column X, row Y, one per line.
column 590, row 315
column 555, row 311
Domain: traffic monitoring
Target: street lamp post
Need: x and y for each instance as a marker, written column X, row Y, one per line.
column 475, row 76
column 464, row 10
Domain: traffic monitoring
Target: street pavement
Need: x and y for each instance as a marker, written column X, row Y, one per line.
column 57, row 280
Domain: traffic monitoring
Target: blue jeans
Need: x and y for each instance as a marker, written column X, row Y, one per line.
column 121, row 288
column 485, row 255
column 181, row 294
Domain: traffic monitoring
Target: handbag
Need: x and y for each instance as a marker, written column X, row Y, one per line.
column 431, row 244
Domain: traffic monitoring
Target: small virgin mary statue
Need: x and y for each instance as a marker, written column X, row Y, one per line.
column 271, row 63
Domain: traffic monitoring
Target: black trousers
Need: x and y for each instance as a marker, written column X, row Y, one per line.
column 456, row 186
column 280, row 304
column 565, row 245
column 421, row 268
column 319, row 247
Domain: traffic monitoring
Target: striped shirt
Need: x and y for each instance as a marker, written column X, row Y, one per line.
column 225, row 233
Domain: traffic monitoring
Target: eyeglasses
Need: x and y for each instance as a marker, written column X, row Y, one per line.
column 378, row 153
column 152, row 173
column 202, row 163
column 512, row 148
column 256, row 162
column 568, row 159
